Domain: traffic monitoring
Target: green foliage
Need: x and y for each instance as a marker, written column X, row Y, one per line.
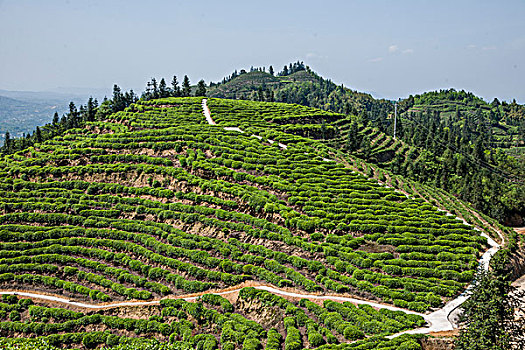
column 488, row 320
column 153, row 201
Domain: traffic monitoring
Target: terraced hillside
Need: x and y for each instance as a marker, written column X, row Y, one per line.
column 154, row 203
column 351, row 142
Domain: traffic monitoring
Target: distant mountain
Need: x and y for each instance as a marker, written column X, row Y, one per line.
column 22, row 111
column 41, row 96
column 20, row 117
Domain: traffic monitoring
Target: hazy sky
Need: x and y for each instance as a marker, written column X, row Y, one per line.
column 388, row 48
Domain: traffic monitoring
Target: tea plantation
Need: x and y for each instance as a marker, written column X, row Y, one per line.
column 153, row 203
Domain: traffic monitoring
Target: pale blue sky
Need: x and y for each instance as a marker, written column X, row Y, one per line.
column 389, row 48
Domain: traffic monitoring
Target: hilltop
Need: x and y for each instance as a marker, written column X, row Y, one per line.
column 296, row 84
column 501, row 120
column 158, row 202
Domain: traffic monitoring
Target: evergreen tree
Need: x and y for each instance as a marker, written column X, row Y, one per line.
column 72, row 110
column 186, row 87
column 7, row 142
column 260, row 94
column 163, row 89
column 155, row 88
column 353, row 140
column 82, row 112
column 271, row 70
column 129, row 98
column 55, row 119
column 366, row 146
column 488, row 319
column 118, row 103
column 478, row 149
column 399, row 128
column 175, row 88
column 91, row 109
column 38, row 135
column 201, row 88
column 363, row 118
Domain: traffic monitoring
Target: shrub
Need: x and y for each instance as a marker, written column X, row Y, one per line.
column 353, row 333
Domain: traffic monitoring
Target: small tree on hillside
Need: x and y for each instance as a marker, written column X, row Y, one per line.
column 163, row 89
column 186, row 87
column 366, row 146
column 55, row 119
column 353, row 141
column 175, row 88
column 7, row 142
column 201, row 88
column 488, row 320
column 38, row 135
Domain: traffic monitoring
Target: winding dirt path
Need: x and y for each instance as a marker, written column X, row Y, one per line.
column 195, row 296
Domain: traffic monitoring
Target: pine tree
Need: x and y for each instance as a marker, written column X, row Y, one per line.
column 260, row 94
column 91, row 110
column 201, row 88
column 175, row 88
column 488, row 319
column 163, row 89
column 118, row 103
column 271, row 70
column 366, row 146
column 7, row 142
column 186, row 87
column 55, row 119
column 155, row 90
column 363, row 118
column 38, row 135
column 72, row 110
column 353, row 140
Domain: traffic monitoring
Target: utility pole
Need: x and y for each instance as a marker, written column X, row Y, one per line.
column 395, row 119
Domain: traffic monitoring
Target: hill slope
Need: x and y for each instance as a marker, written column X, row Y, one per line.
column 154, row 202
